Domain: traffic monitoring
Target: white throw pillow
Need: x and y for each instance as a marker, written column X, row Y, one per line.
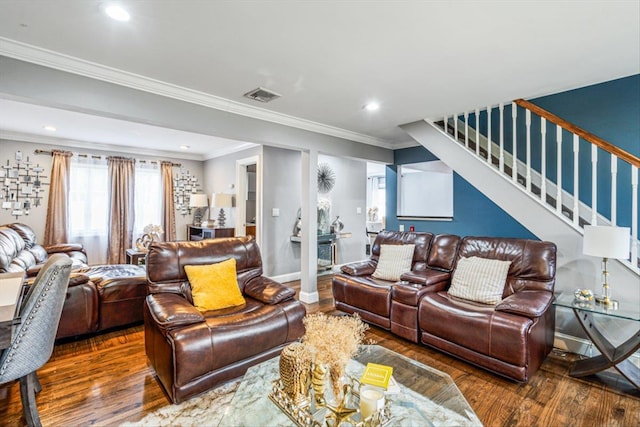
column 479, row 279
column 394, row 260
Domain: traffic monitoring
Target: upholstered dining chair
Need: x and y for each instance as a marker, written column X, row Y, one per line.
column 34, row 337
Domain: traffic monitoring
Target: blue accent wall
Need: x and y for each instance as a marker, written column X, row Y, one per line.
column 473, row 213
column 610, row 110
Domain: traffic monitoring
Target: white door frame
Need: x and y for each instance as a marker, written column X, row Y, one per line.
column 241, row 208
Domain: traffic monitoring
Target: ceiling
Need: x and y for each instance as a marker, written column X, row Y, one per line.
column 417, row 59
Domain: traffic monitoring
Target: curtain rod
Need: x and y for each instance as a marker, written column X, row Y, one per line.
column 38, row 151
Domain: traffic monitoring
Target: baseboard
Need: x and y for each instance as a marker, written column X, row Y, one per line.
column 583, row 347
column 289, row 277
column 309, row 297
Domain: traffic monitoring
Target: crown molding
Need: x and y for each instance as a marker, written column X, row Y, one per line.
column 60, row 61
column 84, row 145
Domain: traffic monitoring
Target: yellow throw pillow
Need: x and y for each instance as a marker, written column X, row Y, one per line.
column 214, row 286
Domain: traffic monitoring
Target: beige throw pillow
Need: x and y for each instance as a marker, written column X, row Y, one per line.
column 394, row 260
column 479, row 279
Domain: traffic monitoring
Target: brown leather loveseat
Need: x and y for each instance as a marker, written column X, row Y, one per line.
column 510, row 338
column 99, row 297
column 192, row 350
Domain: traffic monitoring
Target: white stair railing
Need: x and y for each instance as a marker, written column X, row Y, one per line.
column 525, row 160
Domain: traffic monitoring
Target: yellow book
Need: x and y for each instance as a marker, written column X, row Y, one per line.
column 377, row 375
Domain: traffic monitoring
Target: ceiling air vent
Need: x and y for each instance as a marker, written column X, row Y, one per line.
column 261, row 94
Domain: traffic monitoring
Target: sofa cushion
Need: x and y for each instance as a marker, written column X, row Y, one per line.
column 394, row 260
column 479, row 279
column 214, row 286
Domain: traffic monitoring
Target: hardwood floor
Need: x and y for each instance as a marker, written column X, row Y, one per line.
column 104, row 380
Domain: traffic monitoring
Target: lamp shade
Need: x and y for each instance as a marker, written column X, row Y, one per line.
column 198, row 201
column 221, row 200
column 606, row 241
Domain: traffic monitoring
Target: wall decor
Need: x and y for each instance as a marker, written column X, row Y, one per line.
column 21, row 185
column 184, row 185
column 326, row 178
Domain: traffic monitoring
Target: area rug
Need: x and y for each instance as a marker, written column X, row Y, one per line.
column 204, row 410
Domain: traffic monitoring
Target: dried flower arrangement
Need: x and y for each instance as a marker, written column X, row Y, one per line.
column 333, row 341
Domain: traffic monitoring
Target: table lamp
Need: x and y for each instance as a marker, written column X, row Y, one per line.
column 199, row 203
column 606, row 242
column 221, row 200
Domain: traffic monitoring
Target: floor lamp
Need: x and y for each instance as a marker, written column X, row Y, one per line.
column 606, row 242
column 222, row 201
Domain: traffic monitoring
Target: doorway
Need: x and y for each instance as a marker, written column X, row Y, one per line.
column 376, row 201
column 248, row 197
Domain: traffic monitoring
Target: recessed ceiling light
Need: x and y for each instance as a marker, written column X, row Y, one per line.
column 49, row 128
column 372, row 106
column 117, row 12
column 184, row 147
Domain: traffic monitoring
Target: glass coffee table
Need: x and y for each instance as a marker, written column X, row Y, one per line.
column 427, row 396
column 600, row 323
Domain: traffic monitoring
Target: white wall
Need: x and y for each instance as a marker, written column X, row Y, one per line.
column 220, row 177
column 349, row 194
column 37, row 217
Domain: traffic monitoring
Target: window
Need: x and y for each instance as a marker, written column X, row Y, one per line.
column 147, row 196
column 89, row 203
column 89, row 206
column 88, row 197
column 425, row 190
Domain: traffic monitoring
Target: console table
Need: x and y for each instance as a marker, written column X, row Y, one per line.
column 200, row 233
column 611, row 356
column 327, row 248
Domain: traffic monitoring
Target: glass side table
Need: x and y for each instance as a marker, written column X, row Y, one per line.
column 611, row 356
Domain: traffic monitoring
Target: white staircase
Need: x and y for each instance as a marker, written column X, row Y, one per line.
column 529, row 195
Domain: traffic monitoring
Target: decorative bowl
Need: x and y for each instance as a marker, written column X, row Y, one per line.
column 583, row 295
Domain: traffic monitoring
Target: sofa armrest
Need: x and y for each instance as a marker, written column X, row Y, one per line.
column 78, row 279
column 64, row 247
column 364, row 268
column 428, row 278
column 268, row 291
column 527, row 303
column 171, row 310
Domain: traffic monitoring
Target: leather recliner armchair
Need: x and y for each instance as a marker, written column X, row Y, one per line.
column 192, row 351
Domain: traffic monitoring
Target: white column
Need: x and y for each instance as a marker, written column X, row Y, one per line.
column 477, row 132
column 614, row 190
column 576, row 180
column 309, row 215
column 634, row 216
column 559, row 170
column 528, row 125
column 501, row 137
column 543, row 160
column 514, row 149
column 489, row 142
column 466, row 129
column 455, row 126
column 594, row 184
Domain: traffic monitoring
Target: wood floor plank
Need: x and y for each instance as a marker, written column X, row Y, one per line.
column 104, row 380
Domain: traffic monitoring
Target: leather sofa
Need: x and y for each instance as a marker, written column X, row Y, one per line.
column 192, row 351
column 98, row 298
column 511, row 338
